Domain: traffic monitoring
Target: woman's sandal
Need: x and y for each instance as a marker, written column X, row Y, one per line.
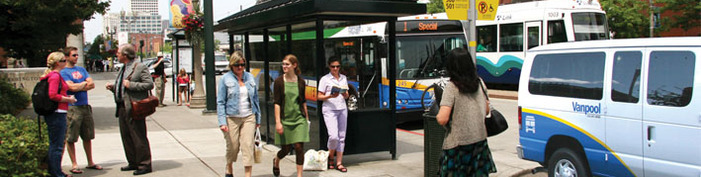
column 341, row 168
column 331, row 163
column 276, row 170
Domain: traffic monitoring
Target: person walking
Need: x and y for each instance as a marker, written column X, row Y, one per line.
column 291, row 116
column 183, row 80
column 335, row 112
column 159, row 78
column 465, row 148
column 238, row 112
column 56, row 122
column 125, row 89
column 79, row 116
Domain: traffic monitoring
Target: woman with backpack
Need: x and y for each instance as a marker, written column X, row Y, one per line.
column 56, row 121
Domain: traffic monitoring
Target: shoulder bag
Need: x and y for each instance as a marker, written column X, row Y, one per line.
column 496, row 123
column 145, row 107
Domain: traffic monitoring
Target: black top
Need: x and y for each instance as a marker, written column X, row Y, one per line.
column 160, row 69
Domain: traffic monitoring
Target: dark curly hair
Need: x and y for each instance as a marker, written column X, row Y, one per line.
column 462, row 70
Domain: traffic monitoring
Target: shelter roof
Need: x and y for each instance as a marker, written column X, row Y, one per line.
column 276, row 13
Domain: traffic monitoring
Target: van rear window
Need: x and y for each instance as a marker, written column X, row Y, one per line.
column 575, row 75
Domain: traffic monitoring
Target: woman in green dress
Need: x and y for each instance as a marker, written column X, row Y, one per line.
column 291, row 118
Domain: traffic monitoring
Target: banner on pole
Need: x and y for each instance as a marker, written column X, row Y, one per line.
column 456, row 9
column 487, row 9
column 178, row 9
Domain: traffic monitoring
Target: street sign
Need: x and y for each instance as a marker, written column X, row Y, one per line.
column 487, row 9
column 456, row 9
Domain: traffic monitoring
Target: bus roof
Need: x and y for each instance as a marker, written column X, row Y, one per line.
column 622, row 43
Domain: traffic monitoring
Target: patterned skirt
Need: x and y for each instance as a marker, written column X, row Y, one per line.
column 467, row 160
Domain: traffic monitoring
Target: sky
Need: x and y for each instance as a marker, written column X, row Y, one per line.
column 221, row 8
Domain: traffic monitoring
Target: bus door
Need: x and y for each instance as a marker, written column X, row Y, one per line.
column 533, row 32
column 358, row 64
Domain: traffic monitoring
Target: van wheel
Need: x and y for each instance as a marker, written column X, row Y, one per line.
column 567, row 163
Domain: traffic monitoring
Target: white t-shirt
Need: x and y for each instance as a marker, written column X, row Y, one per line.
column 244, row 105
column 325, row 85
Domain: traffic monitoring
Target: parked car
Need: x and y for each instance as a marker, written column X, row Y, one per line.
column 221, row 63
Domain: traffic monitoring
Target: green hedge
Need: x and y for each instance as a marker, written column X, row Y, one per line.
column 21, row 150
column 12, row 100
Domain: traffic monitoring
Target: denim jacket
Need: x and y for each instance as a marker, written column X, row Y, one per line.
column 228, row 96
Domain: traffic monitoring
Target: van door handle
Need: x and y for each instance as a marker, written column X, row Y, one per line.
column 650, row 133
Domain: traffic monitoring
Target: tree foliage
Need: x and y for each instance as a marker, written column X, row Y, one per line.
column 688, row 17
column 22, row 148
column 33, row 28
column 435, row 6
column 627, row 18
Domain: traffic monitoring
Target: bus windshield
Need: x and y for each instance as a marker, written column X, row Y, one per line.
column 589, row 26
column 423, row 56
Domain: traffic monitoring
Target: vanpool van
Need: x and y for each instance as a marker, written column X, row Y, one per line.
column 627, row 107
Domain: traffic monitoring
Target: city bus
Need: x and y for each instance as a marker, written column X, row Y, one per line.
column 423, row 42
column 503, row 42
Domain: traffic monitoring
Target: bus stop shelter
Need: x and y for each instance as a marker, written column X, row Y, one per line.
column 276, row 28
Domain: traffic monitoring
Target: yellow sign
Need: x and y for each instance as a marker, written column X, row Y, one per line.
column 487, row 9
column 456, row 9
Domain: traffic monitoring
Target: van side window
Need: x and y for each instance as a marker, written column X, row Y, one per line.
column 556, row 31
column 575, row 75
column 626, row 76
column 511, row 37
column 670, row 78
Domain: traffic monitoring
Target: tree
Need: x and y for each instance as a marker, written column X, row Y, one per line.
column 33, row 28
column 95, row 48
column 627, row 18
column 687, row 16
column 167, row 47
column 435, row 6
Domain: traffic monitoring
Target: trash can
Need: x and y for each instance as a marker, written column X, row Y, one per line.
column 434, row 134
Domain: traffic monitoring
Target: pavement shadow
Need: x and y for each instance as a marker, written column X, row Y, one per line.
column 104, row 118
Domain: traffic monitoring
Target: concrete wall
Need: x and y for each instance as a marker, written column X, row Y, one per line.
column 23, row 78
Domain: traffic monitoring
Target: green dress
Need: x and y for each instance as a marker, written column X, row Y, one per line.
column 294, row 125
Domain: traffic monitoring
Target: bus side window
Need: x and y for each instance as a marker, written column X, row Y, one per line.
column 511, row 37
column 486, row 38
column 556, row 31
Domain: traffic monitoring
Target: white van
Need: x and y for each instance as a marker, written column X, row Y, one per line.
column 629, row 107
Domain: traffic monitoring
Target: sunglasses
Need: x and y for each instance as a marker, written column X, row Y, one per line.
column 61, row 60
column 239, row 64
column 335, row 66
column 75, row 55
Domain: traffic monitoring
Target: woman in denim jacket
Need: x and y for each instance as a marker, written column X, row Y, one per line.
column 237, row 106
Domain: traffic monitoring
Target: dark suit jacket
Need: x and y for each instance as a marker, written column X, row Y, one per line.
column 139, row 84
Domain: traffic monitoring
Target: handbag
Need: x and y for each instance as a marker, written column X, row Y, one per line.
column 257, row 148
column 145, row 107
column 315, row 160
column 496, row 123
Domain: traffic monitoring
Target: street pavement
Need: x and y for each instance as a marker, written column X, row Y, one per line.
column 184, row 142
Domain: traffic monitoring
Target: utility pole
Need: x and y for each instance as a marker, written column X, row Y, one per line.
column 209, row 57
column 652, row 19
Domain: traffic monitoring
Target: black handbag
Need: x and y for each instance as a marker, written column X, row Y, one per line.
column 496, row 123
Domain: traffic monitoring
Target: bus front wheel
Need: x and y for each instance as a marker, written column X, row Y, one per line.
column 566, row 163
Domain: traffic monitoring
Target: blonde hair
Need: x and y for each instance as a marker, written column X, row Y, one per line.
column 52, row 61
column 235, row 58
column 182, row 72
column 293, row 60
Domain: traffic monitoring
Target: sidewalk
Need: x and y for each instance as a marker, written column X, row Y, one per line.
column 186, row 143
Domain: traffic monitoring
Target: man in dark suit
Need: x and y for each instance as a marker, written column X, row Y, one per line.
column 126, row 89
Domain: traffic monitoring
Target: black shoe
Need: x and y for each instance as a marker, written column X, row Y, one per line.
column 142, row 171
column 128, row 168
